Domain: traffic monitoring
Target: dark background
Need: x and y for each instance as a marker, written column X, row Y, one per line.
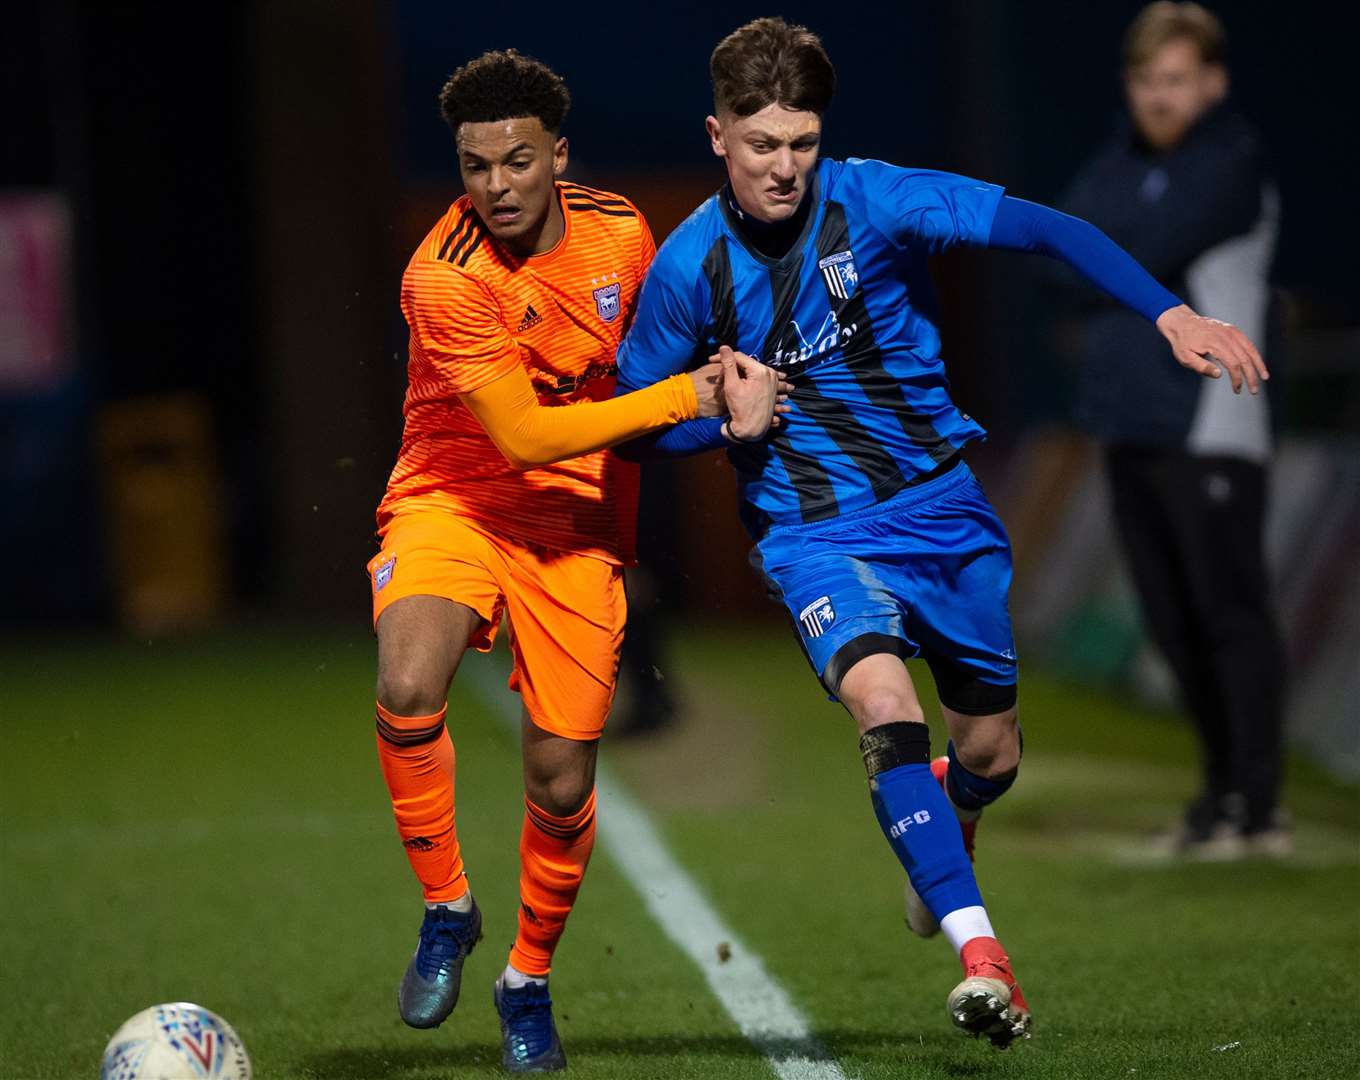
column 244, row 183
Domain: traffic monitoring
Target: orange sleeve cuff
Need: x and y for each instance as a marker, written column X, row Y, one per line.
column 689, row 399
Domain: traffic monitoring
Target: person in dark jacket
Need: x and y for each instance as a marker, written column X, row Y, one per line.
column 1184, row 188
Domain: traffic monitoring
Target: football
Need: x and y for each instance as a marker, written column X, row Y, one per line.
column 177, row 1041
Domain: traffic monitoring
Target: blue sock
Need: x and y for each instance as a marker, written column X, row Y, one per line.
column 967, row 790
column 916, row 817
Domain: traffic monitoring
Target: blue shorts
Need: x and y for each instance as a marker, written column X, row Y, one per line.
column 925, row 573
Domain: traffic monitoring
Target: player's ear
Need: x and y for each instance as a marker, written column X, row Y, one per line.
column 1217, row 76
column 560, row 156
column 715, row 136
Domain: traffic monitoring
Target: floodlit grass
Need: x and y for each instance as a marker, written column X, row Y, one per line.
column 206, row 821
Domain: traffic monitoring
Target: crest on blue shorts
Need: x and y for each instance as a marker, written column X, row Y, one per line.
column 817, row 616
column 383, row 574
column 607, row 302
column 838, row 271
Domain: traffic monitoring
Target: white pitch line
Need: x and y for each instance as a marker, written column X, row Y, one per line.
column 759, row 1005
column 761, row 1008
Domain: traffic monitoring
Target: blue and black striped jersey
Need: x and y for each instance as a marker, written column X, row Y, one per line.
column 846, row 316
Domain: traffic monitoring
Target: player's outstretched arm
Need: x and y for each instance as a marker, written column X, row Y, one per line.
column 530, row 434
column 1203, row 345
column 457, row 330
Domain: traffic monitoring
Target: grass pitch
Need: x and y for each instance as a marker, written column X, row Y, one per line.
column 206, row 821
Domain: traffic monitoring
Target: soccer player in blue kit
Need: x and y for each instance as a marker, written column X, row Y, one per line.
column 867, row 521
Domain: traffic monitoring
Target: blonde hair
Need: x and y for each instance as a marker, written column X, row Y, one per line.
column 1166, row 21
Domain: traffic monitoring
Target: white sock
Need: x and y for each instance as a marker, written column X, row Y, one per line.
column 462, row 905
column 516, row 979
column 966, row 923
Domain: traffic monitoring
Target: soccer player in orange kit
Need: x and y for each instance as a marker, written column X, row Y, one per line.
column 504, row 500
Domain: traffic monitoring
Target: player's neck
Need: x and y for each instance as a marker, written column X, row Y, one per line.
column 773, row 239
column 549, row 235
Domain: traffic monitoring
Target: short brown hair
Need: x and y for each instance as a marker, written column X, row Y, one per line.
column 769, row 62
column 504, row 86
column 1163, row 22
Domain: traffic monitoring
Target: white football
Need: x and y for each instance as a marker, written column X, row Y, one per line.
column 178, row 1041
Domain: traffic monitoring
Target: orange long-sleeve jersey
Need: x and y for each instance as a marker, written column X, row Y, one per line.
column 476, row 313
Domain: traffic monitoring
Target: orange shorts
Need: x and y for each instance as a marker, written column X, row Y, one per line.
column 566, row 610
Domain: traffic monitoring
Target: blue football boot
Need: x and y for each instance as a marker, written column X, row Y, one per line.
column 528, row 1034
column 429, row 989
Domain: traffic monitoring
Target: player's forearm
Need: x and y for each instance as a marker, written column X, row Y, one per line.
column 530, row 434
column 682, row 440
column 1026, row 226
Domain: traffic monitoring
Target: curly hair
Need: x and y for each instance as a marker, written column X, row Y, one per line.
column 504, row 86
column 768, row 62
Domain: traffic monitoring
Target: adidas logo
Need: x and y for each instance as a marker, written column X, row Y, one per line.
column 531, row 318
column 419, row 843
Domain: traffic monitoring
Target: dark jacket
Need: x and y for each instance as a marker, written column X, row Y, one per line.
column 1177, row 212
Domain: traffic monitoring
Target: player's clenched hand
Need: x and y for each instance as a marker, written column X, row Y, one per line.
column 751, row 391
column 708, row 389
column 1207, row 345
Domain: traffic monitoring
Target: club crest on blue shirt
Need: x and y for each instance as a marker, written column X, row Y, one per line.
column 607, row 302
column 838, row 271
column 817, row 616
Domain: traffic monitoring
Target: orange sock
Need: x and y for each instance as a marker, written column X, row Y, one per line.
column 416, row 754
column 553, row 852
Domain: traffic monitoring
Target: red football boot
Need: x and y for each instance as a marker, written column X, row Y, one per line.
column 988, row 1001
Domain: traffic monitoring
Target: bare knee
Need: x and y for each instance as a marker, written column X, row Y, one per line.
column 561, row 795
column 987, row 746
column 993, row 762
column 420, row 642
column 559, row 773
column 877, row 690
column 886, row 705
column 407, row 691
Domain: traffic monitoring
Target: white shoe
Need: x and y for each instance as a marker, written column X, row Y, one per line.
column 1224, row 844
column 1276, row 842
column 988, row 1001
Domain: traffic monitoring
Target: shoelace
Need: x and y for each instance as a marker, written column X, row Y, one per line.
column 441, row 944
column 528, row 1017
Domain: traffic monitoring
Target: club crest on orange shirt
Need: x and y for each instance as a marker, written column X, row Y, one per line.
column 607, row 302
